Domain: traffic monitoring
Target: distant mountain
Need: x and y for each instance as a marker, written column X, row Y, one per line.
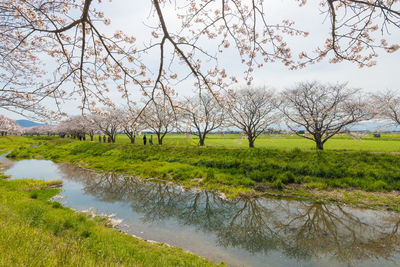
column 27, row 123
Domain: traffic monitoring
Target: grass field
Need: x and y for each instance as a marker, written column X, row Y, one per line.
column 37, row 232
column 345, row 142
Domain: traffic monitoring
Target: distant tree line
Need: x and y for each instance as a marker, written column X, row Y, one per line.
column 312, row 110
column 8, row 126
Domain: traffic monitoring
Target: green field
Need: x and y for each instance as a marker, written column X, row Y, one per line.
column 345, row 142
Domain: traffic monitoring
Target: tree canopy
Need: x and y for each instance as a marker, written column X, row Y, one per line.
column 89, row 61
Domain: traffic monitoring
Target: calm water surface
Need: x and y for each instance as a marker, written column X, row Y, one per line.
column 246, row 232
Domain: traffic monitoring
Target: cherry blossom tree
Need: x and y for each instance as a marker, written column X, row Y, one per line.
column 66, row 127
column 36, row 130
column 88, row 123
column 160, row 117
column 8, row 126
column 108, row 122
column 89, row 62
column 323, row 110
column 60, row 130
column 30, row 131
column 74, row 126
column 252, row 110
column 48, row 129
column 77, row 126
column 202, row 114
column 387, row 105
column 130, row 122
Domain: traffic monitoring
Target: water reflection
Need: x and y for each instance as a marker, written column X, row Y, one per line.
column 299, row 230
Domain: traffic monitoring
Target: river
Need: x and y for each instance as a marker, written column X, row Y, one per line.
column 243, row 232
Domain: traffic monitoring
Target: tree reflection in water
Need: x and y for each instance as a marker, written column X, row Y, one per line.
column 300, row 230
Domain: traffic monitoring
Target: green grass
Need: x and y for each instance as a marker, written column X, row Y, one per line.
column 13, row 142
column 37, row 232
column 231, row 170
column 344, row 142
column 387, row 143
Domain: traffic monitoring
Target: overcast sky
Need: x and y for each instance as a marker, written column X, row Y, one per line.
column 130, row 16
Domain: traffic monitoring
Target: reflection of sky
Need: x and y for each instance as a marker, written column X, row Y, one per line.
column 124, row 14
column 246, row 232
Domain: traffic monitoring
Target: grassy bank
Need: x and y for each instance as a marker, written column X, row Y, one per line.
column 13, row 142
column 235, row 170
column 37, row 232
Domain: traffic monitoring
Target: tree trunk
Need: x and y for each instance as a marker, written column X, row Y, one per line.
column 320, row 144
column 251, row 141
column 202, row 139
column 132, row 139
column 91, row 138
column 201, row 143
column 159, row 139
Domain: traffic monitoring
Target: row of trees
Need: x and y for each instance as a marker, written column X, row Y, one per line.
column 8, row 126
column 312, row 110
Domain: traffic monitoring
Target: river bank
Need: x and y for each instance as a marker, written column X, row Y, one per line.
column 37, row 231
column 359, row 179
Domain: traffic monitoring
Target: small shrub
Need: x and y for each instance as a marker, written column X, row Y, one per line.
column 35, row 215
column 277, row 184
column 377, row 186
column 56, row 205
column 82, row 218
column 257, row 176
column 298, row 179
column 287, row 178
column 210, row 174
column 86, row 234
column 68, row 224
